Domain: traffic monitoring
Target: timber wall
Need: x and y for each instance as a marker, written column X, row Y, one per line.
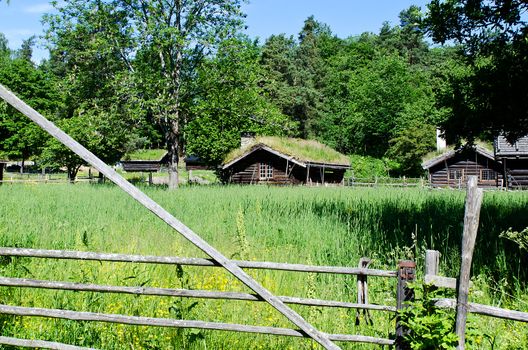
column 453, row 172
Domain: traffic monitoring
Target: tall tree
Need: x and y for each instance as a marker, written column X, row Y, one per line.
column 161, row 42
column 87, row 46
column 230, row 102
column 491, row 96
column 20, row 138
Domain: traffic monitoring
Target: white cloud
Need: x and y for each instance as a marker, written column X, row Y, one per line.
column 38, row 8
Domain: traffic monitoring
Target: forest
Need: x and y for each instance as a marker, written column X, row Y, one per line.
column 128, row 75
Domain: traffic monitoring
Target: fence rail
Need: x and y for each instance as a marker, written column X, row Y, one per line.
column 167, row 292
column 360, row 272
column 78, row 255
column 386, row 181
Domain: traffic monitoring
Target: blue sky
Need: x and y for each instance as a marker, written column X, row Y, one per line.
column 22, row 18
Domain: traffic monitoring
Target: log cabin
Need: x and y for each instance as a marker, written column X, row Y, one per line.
column 284, row 161
column 514, row 159
column 452, row 168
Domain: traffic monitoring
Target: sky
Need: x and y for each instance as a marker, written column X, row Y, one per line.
column 22, row 18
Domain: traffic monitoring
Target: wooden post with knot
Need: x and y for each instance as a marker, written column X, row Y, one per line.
column 404, row 295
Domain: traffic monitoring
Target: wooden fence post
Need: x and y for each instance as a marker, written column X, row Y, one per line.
column 404, row 294
column 362, row 292
column 432, row 261
column 471, row 222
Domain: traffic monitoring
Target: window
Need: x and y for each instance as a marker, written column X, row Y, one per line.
column 488, row 174
column 265, row 171
column 456, row 174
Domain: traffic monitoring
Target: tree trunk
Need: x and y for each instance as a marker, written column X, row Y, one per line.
column 72, row 173
column 172, row 148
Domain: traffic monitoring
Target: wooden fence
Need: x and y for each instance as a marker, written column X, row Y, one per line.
column 361, row 305
column 386, row 182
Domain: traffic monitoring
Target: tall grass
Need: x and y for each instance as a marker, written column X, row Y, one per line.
column 324, row 226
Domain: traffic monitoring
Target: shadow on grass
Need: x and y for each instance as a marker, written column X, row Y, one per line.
column 435, row 223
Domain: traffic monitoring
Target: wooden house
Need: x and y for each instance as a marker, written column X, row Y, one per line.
column 193, row 162
column 452, row 168
column 284, row 161
column 514, row 159
column 147, row 161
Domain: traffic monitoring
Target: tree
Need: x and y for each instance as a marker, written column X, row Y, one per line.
column 491, row 96
column 161, row 43
column 21, row 138
column 100, row 107
column 230, row 102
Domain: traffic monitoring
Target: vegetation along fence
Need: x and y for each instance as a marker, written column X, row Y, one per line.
column 405, row 272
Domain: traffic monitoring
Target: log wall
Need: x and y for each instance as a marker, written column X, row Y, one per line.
column 453, row 172
column 517, row 173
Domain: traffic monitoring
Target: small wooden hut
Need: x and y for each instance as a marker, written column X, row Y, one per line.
column 452, row 168
column 284, row 161
column 193, row 162
column 145, row 161
column 514, row 159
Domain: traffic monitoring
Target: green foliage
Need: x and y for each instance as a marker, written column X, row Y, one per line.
column 492, row 96
column 429, row 327
column 519, row 237
column 230, row 102
column 20, row 137
column 409, row 147
column 366, row 167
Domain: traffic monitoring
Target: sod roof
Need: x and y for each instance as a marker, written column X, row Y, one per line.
column 305, row 151
column 146, row 154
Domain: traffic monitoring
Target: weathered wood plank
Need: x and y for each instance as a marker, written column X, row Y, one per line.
column 77, row 255
column 486, row 310
column 172, row 323
column 471, row 223
column 40, row 344
column 202, row 294
column 432, row 262
column 443, row 282
column 168, row 218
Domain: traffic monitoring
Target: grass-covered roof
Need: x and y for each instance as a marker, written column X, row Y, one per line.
column 145, row 154
column 307, row 151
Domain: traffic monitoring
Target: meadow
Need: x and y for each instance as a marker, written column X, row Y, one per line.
column 322, row 226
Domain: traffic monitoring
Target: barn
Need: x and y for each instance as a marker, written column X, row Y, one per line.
column 452, row 168
column 284, row 161
column 514, row 159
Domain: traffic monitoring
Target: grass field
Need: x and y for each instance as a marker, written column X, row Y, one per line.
column 330, row 226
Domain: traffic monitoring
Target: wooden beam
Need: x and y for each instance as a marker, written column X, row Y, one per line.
column 182, row 293
column 168, row 218
column 172, row 260
column 486, row 310
column 40, row 344
column 172, row 323
column 471, row 223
